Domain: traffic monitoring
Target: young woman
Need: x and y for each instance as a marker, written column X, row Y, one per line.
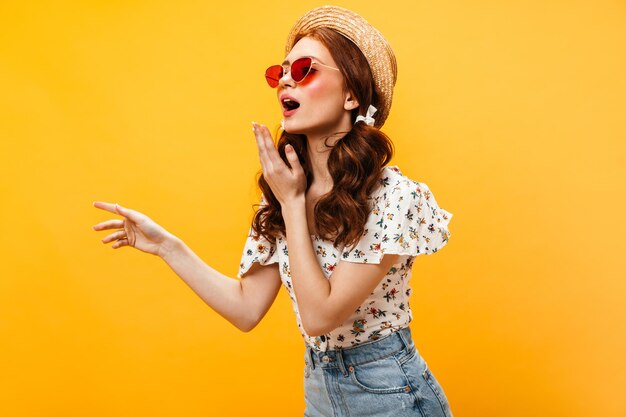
column 337, row 226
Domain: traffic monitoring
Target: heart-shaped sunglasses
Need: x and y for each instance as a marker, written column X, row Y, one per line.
column 300, row 68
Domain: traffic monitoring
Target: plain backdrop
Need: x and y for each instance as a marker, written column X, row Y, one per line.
column 512, row 112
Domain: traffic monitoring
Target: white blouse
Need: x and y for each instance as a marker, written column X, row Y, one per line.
column 405, row 220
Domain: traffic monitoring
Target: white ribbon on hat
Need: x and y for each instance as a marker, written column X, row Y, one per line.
column 368, row 119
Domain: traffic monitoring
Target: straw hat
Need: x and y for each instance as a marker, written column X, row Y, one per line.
column 368, row 39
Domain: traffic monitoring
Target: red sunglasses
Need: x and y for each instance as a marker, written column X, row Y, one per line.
column 300, row 68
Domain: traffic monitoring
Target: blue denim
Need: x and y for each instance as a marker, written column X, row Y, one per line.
column 386, row 377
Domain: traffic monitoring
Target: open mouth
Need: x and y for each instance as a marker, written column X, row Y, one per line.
column 289, row 104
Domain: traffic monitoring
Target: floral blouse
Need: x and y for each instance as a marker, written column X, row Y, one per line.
column 405, row 220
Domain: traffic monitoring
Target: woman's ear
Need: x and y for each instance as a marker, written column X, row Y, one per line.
column 350, row 103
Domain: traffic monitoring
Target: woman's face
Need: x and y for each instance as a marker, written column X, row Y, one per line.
column 323, row 106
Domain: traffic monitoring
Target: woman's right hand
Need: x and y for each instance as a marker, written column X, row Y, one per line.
column 136, row 230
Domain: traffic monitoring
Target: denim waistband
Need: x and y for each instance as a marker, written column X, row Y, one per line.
column 363, row 353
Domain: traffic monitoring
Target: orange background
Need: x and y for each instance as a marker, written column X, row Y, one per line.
column 512, row 112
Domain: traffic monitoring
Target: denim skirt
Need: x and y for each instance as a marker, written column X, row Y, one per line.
column 386, row 377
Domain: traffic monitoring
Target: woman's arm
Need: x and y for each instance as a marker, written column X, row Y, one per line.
column 244, row 303
column 325, row 303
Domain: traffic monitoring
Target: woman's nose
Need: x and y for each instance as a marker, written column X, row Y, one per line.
column 286, row 80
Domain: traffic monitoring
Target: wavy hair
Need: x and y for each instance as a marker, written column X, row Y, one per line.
column 355, row 161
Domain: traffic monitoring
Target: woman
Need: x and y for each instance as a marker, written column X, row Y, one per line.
column 336, row 226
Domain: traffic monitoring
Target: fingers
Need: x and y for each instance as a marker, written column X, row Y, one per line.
column 262, row 148
column 292, row 157
column 120, row 243
column 105, row 206
column 270, row 148
column 120, row 234
column 133, row 215
column 268, row 154
column 109, row 224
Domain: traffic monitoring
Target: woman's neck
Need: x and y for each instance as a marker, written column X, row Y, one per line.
column 318, row 160
column 319, row 152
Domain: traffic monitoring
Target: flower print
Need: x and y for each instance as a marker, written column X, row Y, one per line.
column 391, row 295
column 376, row 313
column 401, row 214
column 399, row 237
column 386, row 325
column 358, row 327
column 375, row 335
column 286, row 270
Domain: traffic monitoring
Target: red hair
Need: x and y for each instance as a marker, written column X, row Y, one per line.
column 355, row 161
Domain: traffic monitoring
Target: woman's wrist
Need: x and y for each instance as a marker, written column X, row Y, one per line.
column 170, row 247
column 294, row 203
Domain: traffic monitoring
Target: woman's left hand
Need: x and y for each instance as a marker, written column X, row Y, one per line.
column 287, row 184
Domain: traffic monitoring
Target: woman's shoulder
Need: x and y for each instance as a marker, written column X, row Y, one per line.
column 394, row 182
column 405, row 220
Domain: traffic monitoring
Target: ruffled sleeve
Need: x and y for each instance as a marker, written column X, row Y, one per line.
column 405, row 220
column 257, row 250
